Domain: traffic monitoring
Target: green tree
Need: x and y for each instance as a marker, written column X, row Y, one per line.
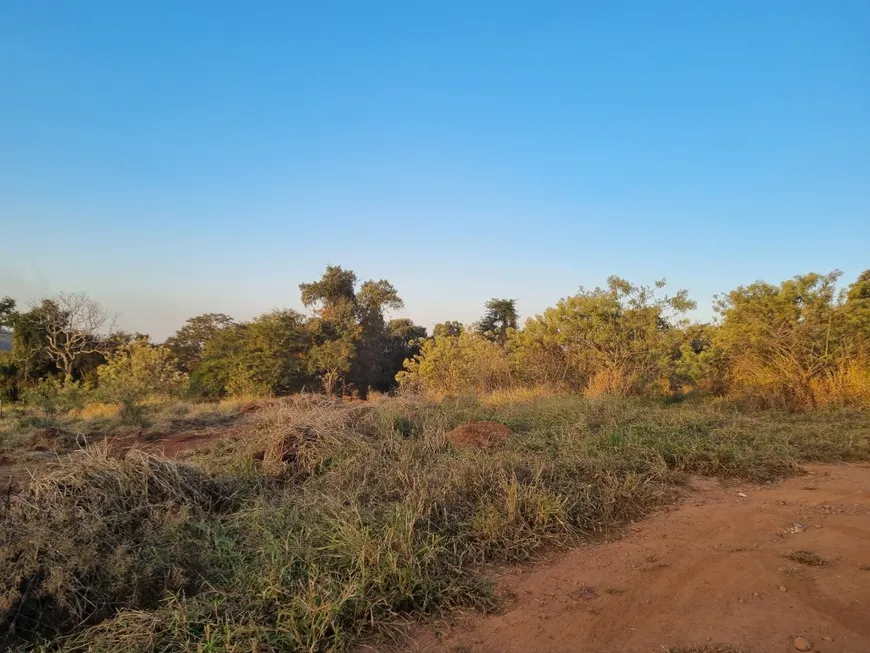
column 7, row 312
column 188, row 343
column 265, row 356
column 782, row 344
column 854, row 331
column 336, row 286
column 618, row 339
column 401, row 342
column 501, row 315
column 32, row 360
column 8, row 371
column 331, row 360
column 453, row 365
column 135, row 373
column 374, row 299
column 52, row 399
column 448, row 328
column 9, row 387
column 354, row 319
column 860, row 290
column 70, row 327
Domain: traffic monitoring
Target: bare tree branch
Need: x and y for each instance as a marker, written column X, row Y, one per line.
column 74, row 325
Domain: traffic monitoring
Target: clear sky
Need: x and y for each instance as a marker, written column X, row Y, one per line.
column 172, row 158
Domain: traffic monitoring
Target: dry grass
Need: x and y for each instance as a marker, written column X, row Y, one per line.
column 91, row 537
column 808, row 558
column 328, row 518
column 21, row 428
column 705, row 648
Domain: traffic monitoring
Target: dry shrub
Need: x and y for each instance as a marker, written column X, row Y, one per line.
column 292, row 436
column 75, row 548
column 703, row 648
column 807, row 557
column 607, row 382
column 51, row 439
column 518, row 394
column 93, row 410
column 848, row 385
column 759, row 386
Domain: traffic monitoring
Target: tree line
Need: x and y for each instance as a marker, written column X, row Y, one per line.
column 800, row 343
column 345, row 345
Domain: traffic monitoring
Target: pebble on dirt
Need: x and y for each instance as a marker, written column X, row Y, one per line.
column 802, row 644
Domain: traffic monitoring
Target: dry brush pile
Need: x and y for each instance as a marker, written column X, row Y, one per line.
column 330, row 519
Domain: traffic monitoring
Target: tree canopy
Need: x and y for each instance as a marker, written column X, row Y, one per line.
column 802, row 343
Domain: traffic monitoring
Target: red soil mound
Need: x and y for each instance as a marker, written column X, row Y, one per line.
column 479, row 435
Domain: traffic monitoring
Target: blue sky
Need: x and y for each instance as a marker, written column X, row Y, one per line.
column 172, row 158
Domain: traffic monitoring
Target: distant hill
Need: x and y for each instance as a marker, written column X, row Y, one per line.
column 5, row 341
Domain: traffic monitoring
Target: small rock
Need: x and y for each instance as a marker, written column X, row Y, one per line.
column 802, row 644
column 741, row 494
column 782, row 588
column 828, row 639
column 755, row 595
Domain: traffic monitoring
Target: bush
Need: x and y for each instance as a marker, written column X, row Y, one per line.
column 9, row 389
column 467, row 363
column 796, row 345
column 52, row 399
column 135, row 373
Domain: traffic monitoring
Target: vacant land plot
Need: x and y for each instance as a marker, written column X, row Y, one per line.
column 317, row 523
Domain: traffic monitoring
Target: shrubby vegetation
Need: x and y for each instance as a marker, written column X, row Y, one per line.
column 798, row 345
column 136, row 372
column 345, row 346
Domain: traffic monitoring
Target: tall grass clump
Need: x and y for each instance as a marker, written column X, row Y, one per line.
column 102, row 534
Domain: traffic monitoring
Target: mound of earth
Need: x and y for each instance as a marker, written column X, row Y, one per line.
column 479, row 435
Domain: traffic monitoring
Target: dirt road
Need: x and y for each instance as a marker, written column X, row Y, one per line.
column 714, row 569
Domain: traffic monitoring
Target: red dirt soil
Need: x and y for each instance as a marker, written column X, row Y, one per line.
column 15, row 470
column 711, row 569
column 478, row 435
column 177, row 445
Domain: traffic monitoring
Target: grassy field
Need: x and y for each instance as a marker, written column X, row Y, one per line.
column 326, row 521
